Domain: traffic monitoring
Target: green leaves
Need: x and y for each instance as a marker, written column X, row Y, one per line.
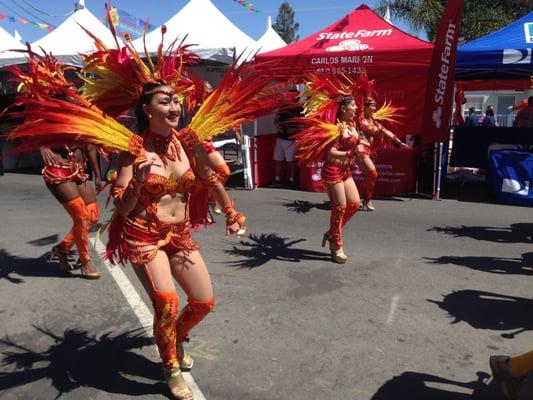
column 479, row 16
column 285, row 26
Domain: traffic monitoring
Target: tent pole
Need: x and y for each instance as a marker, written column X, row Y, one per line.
column 256, row 169
column 438, row 171
column 435, row 152
column 247, row 170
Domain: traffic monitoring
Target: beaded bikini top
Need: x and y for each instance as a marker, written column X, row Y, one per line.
column 158, row 185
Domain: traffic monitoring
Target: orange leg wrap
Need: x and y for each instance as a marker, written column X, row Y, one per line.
column 94, row 212
column 79, row 233
column 166, row 307
column 191, row 315
column 335, row 224
column 367, row 189
column 223, row 172
column 351, row 208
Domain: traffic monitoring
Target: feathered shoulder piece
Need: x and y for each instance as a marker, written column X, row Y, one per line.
column 243, row 95
column 388, row 112
column 114, row 77
column 55, row 114
column 54, row 122
column 313, row 138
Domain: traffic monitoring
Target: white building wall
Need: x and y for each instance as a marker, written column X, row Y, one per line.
column 499, row 99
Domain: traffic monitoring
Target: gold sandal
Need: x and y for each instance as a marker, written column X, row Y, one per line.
column 338, row 256
column 175, row 379
column 89, row 275
column 186, row 361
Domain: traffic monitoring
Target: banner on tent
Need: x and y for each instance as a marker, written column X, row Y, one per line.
column 127, row 23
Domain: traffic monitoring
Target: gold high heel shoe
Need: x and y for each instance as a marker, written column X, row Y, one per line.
column 186, row 361
column 62, row 258
column 338, row 256
column 88, row 271
column 175, row 380
column 369, row 206
column 327, row 238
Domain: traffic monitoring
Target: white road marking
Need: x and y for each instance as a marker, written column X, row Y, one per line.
column 139, row 307
column 392, row 311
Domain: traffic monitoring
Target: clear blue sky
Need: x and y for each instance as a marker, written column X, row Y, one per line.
column 312, row 15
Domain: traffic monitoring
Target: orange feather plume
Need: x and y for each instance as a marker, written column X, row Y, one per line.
column 314, row 138
column 42, row 77
column 241, row 96
column 54, row 123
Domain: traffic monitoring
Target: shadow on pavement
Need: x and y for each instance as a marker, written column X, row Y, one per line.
column 40, row 267
column 486, row 310
column 45, row 241
column 303, row 206
column 262, row 248
column 516, row 233
column 77, row 359
column 495, row 265
column 420, row 386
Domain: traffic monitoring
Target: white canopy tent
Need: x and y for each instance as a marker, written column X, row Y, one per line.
column 270, row 39
column 7, row 43
column 69, row 40
column 213, row 35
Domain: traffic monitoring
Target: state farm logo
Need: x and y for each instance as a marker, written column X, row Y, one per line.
column 528, row 29
column 516, row 56
column 437, row 117
column 348, row 45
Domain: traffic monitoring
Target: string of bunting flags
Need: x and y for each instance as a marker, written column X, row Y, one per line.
column 25, row 21
column 247, row 5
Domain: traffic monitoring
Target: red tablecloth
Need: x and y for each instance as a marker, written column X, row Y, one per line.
column 396, row 169
column 263, row 169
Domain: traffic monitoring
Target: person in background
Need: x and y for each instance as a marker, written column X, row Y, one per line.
column 372, row 134
column 285, row 148
column 524, row 117
column 65, row 177
column 489, row 119
column 473, row 118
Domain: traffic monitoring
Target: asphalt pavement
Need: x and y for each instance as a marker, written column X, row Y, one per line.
column 430, row 291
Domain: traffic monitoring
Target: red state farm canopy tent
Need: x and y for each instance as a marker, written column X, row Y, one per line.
column 362, row 40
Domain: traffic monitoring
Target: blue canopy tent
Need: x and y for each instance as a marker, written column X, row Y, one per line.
column 504, row 54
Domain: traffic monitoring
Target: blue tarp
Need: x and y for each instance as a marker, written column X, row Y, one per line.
column 507, row 53
column 510, row 177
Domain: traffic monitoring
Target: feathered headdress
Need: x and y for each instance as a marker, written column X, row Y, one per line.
column 324, row 94
column 114, row 77
column 43, row 76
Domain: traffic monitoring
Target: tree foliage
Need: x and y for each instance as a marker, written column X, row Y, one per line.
column 479, row 16
column 285, row 25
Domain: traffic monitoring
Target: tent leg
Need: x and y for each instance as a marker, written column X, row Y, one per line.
column 256, row 167
column 247, row 170
column 438, row 171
